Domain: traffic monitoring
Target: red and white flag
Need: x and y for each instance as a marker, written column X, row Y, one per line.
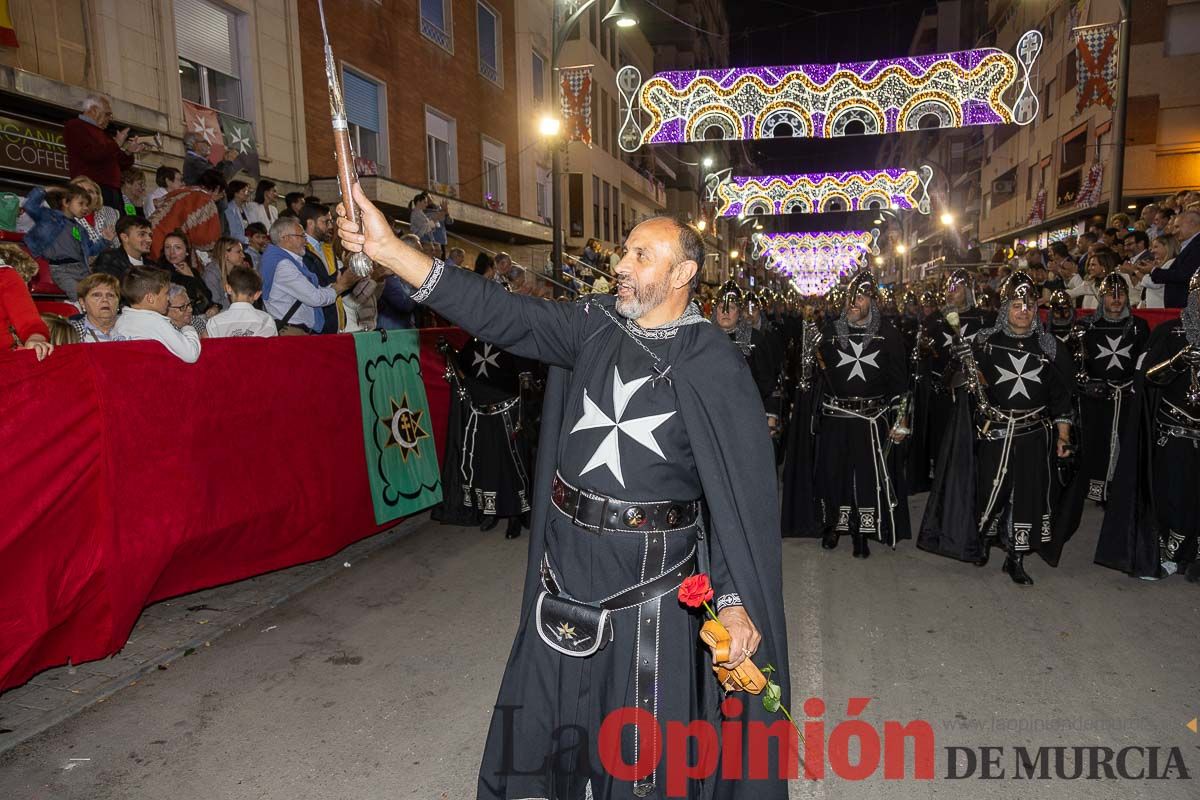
column 1096, row 66
column 575, row 92
column 204, row 121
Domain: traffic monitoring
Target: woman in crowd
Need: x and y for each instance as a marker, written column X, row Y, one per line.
column 1099, row 264
column 237, row 216
column 227, row 253
column 21, row 327
column 263, row 209
column 100, row 296
column 1163, row 251
column 186, row 271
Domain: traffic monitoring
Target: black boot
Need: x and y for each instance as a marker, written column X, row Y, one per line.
column 514, row 527
column 861, row 550
column 987, row 547
column 1192, row 574
column 489, row 522
column 830, row 539
column 1015, row 569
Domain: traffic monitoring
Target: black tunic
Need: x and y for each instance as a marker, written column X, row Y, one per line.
column 608, row 427
column 858, row 482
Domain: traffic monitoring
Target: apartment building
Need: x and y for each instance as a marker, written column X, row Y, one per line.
column 1034, row 178
column 238, row 57
column 432, row 91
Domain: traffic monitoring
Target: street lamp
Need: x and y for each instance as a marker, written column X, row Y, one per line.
column 947, row 219
column 707, row 162
column 701, row 224
column 623, row 19
column 901, row 249
column 549, row 126
column 733, row 254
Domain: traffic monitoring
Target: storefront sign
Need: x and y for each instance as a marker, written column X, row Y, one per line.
column 33, row 146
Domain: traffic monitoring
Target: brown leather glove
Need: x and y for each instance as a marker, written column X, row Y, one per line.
column 746, row 677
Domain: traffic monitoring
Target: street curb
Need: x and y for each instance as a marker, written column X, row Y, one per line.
column 106, row 690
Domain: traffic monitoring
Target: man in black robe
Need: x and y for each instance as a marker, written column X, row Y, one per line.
column 1020, row 383
column 489, row 448
column 862, row 413
column 729, row 317
column 1061, row 318
column 1152, row 522
column 654, row 459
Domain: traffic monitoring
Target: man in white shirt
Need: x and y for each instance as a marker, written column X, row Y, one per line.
column 244, row 286
column 146, row 290
column 293, row 295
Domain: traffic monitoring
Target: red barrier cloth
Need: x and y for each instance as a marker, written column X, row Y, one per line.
column 130, row 477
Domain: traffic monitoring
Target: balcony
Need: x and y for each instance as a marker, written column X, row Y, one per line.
column 651, row 189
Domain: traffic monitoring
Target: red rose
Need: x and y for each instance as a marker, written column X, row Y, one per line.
column 695, row 591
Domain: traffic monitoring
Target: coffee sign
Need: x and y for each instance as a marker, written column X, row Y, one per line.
column 32, row 146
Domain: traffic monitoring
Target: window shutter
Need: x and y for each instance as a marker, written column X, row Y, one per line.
column 362, row 100
column 204, row 34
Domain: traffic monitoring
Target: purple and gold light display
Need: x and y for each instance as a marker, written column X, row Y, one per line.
column 814, row 260
column 814, row 193
column 943, row 90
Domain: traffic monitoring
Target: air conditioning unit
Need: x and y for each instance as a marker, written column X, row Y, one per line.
column 1004, row 186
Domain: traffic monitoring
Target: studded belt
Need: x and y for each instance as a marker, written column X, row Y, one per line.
column 1174, row 421
column 601, row 514
column 496, row 408
column 859, row 405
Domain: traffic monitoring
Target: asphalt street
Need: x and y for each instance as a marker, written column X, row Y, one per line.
column 379, row 681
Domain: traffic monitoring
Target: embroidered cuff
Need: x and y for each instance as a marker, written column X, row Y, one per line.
column 1062, row 421
column 727, row 600
column 431, row 281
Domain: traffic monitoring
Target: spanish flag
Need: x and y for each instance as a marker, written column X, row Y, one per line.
column 8, row 36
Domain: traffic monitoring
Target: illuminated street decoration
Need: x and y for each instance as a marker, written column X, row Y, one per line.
column 813, row 261
column 943, row 90
column 818, row 192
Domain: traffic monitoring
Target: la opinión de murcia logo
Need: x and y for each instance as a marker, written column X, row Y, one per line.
column 853, row 749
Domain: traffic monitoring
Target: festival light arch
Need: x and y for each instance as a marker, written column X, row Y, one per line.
column 813, row 261
column 860, row 190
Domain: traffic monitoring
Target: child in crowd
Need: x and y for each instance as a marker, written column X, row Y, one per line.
column 58, row 234
column 145, row 290
column 244, row 287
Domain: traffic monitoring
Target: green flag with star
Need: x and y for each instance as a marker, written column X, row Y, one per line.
column 402, row 461
column 239, row 137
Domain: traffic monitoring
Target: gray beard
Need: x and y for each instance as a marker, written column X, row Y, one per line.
column 643, row 301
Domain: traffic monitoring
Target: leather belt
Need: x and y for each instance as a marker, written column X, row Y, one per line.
column 861, row 405
column 1001, row 430
column 1103, row 390
column 601, row 514
column 496, row 408
column 1175, row 422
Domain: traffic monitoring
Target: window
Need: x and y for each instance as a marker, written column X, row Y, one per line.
column 1049, row 99
column 365, row 113
column 495, row 185
column 595, row 207
column 575, row 202
column 605, row 129
column 1183, row 29
column 1071, row 71
column 488, row 23
column 441, row 152
column 594, row 24
column 539, row 78
column 618, row 236
column 1029, row 183
column 436, row 23
column 545, row 197
column 209, row 73
column 1074, row 151
column 607, row 214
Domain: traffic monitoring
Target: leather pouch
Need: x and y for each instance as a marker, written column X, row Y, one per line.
column 570, row 627
column 746, row 677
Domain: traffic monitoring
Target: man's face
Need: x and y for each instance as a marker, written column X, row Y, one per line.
column 101, row 113
column 318, row 228
column 259, row 241
column 136, row 241
column 956, row 295
column 101, row 305
column 1114, row 303
column 293, row 241
column 1131, row 247
column 644, row 275
column 727, row 316
column 1160, row 220
column 202, row 147
column 1188, row 224
column 858, row 309
column 1020, row 315
column 178, row 308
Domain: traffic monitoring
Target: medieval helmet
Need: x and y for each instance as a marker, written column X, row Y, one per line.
column 956, row 278
column 835, row 298
column 861, row 282
column 1112, row 283
column 1019, row 286
column 1061, row 301
column 730, row 294
column 754, row 302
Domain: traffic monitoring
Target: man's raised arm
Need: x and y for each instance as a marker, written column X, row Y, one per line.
column 525, row 326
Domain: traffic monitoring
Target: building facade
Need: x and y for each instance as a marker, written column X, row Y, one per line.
column 432, row 90
column 1035, row 179
column 239, row 57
